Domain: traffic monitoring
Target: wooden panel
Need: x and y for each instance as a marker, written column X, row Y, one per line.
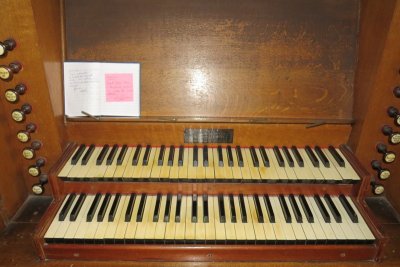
column 280, row 59
column 36, row 49
column 377, row 75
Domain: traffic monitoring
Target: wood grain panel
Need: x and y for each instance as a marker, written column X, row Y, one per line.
column 282, row 59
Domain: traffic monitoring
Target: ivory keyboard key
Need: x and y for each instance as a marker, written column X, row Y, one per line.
column 71, row 162
column 329, row 233
column 159, row 234
column 132, row 223
column 142, row 219
column 180, row 227
column 112, row 167
column 191, row 169
column 137, row 169
column 50, row 233
column 316, row 176
column 92, row 224
column 170, row 223
column 190, row 226
column 254, row 173
column 311, row 156
column 84, row 223
column 288, row 157
column 84, row 169
column 341, row 228
column 220, row 235
column 209, row 219
column 239, row 225
column 125, row 169
column 146, row 169
column 200, row 169
column 174, row 170
column 350, row 172
column 157, row 164
column 281, row 173
column 246, row 173
column 342, row 171
column 291, row 175
column 122, row 224
column 321, row 156
column 330, row 173
column 63, row 225
column 289, row 236
column 112, row 154
column 219, row 171
column 267, row 173
column 73, row 227
column 164, row 172
column 236, row 172
column 229, row 225
column 226, row 167
column 200, row 225
column 113, row 220
column 183, row 170
column 299, row 159
column 302, row 174
column 268, row 225
column 248, row 225
column 260, row 237
column 296, row 226
column 313, row 220
column 151, row 224
column 103, row 224
column 278, row 156
column 96, row 171
column 210, row 171
column 308, row 230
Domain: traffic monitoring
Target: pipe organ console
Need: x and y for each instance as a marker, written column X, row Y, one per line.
column 268, row 130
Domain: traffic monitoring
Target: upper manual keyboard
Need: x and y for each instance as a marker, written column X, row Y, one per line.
column 208, row 164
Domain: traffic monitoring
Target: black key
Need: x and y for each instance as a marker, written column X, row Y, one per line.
column 135, row 159
column 129, row 209
column 102, row 154
column 242, row 208
column 264, row 156
column 297, row 156
column 279, row 157
column 285, row 209
column 66, row 207
column 322, row 156
column 322, row 209
column 122, row 154
column 146, row 155
column 232, row 208
column 239, row 156
column 178, row 209
column 230, row 156
column 112, row 154
column 260, row 216
column 114, row 207
column 254, row 157
column 180, row 158
column 220, row 158
column 171, row 155
column 160, row 160
column 349, row 209
column 306, row 209
column 336, row 156
column 295, row 208
column 103, row 208
column 205, row 156
column 195, row 156
column 77, row 208
column 312, row 156
column 194, row 209
column 87, row 155
column 221, row 209
column 167, row 211
column 288, row 156
column 333, row 209
column 205, row 209
column 156, row 213
column 75, row 158
column 93, row 207
column 270, row 211
column 142, row 204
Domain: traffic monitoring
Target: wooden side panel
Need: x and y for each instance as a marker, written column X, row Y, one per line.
column 38, row 44
column 260, row 59
column 377, row 75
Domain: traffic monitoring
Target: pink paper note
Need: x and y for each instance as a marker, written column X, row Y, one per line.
column 119, row 87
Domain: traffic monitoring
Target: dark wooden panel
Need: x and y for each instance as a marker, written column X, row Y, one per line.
column 281, row 59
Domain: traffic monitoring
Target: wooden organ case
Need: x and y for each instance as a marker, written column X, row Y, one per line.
column 273, row 110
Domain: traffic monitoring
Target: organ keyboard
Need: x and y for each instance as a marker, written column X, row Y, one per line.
column 208, row 164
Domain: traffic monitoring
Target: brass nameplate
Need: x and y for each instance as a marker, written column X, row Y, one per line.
column 208, row 135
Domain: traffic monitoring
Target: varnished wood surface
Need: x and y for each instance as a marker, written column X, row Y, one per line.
column 377, row 75
column 260, row 59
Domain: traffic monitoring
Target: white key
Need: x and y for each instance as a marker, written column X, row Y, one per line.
column 159, row 234
column 200, row 225
column 229, row 226
column 180, row 226
column 109, row 173
column 258, row 227
column 63, row 225
column 74, row 225
column 190, row 227
column 50, row 233
column 269, row 228
column 92, row 226
column 220, row 235
column 68, row 166
column 112, row 226
column 329, row 233
column 132, row 224
column 171, row 225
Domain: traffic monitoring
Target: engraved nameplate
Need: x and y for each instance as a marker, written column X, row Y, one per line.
column 208, row 135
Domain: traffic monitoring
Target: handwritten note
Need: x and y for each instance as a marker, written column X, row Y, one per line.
column 119, row 87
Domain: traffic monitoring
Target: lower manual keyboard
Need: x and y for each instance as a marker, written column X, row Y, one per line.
column 206, row 219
